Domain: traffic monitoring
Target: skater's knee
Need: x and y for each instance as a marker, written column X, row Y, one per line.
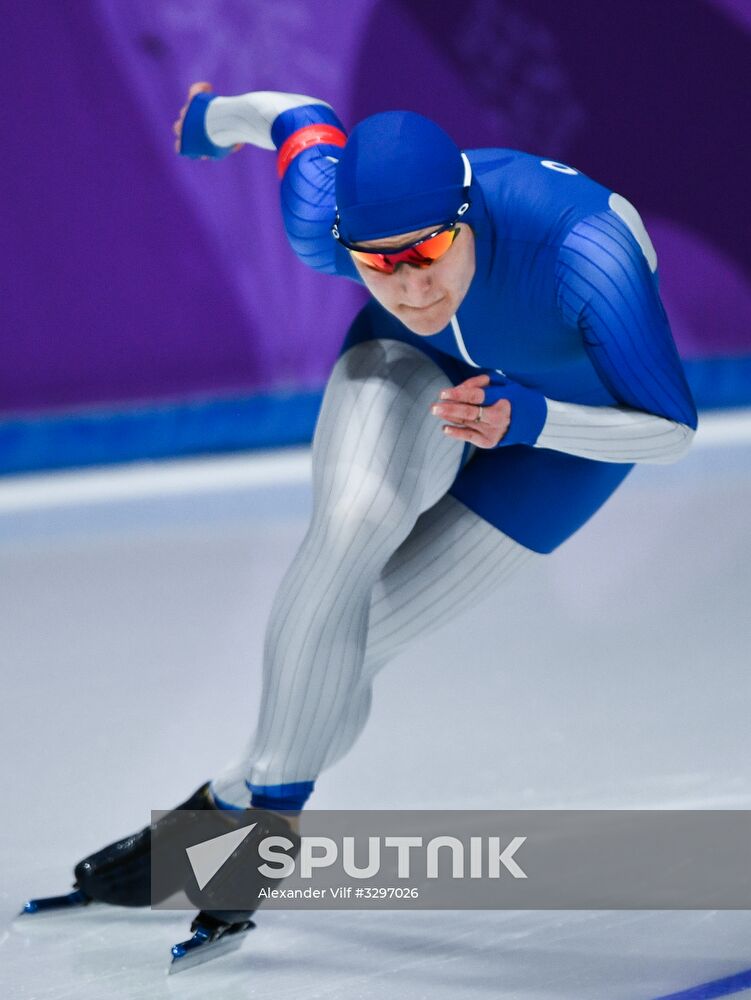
column 403, row 373
column 376, row 505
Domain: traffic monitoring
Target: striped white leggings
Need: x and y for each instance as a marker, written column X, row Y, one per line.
column 388, row 554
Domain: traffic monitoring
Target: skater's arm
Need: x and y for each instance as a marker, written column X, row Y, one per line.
column 307, row 135
column 607, row 290
column 249, row 118
column 613, row 434
column 513, row 414
column 606, row 283
column 210, row 126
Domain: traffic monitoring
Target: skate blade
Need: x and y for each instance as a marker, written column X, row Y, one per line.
column 199, row 949
column 54, row 904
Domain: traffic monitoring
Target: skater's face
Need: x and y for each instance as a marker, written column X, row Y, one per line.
column 423, row 298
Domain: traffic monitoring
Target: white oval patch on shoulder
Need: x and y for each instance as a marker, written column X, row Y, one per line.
column 626, row 211
column 560, row 167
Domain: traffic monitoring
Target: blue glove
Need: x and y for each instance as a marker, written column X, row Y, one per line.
column 193, row 139
column 529, row 410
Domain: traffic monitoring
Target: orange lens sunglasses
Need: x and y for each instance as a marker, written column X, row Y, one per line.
column 421, row 253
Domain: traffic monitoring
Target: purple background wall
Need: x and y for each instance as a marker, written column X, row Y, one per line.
column 133, row 275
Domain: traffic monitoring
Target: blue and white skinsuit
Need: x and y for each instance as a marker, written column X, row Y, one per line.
column 563, row 313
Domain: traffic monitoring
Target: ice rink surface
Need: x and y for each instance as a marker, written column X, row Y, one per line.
column 613, row 674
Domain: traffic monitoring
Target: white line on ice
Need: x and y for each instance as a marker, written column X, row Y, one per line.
column 154, row 479
column 724, row 427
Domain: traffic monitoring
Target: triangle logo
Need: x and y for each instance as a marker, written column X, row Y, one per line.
column 208, row 857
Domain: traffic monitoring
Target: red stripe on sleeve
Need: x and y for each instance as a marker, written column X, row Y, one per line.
column 308, row 135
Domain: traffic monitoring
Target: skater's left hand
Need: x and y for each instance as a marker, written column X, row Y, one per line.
column 462, row 404
column 201, row 87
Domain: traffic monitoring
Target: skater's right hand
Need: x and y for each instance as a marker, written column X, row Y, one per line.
column 201, row 87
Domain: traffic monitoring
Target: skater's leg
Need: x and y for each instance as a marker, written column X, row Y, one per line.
column 379, row 460
column 452, row 560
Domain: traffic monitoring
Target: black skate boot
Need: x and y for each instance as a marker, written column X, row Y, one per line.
column 120, row 873
column 238, row 882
